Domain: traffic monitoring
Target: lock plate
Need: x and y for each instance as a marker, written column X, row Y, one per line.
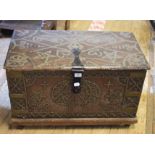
column 77, row 71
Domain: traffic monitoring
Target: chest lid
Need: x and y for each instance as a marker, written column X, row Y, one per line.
column 52, row 50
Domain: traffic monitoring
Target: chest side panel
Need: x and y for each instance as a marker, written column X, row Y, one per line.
column 45, row 94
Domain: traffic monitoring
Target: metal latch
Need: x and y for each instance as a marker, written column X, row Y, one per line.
column 77, row 71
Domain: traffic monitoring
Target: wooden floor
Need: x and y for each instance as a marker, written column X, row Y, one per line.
column 145, row 113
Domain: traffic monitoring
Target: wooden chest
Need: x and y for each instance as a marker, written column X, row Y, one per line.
column 74, row 77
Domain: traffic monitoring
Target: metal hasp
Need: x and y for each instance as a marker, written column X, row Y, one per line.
column 77, row 71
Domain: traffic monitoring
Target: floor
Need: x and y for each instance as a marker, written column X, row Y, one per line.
column 145, row 114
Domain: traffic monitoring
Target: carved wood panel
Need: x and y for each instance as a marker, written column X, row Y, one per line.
column 46, row 94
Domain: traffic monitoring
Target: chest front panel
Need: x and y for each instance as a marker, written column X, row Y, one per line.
column 46, row 94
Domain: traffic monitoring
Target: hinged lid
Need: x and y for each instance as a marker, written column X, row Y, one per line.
column 52, row 50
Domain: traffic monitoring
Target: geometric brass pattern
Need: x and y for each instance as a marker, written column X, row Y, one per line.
column 89, row 94
column 18, row 104
column 105, row 94
column 16, row 85
column 51, row 50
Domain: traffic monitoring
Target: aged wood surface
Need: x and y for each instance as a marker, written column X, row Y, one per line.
column 104, row 94
column 72, row 121
column 142, row 33
column 52, row 50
